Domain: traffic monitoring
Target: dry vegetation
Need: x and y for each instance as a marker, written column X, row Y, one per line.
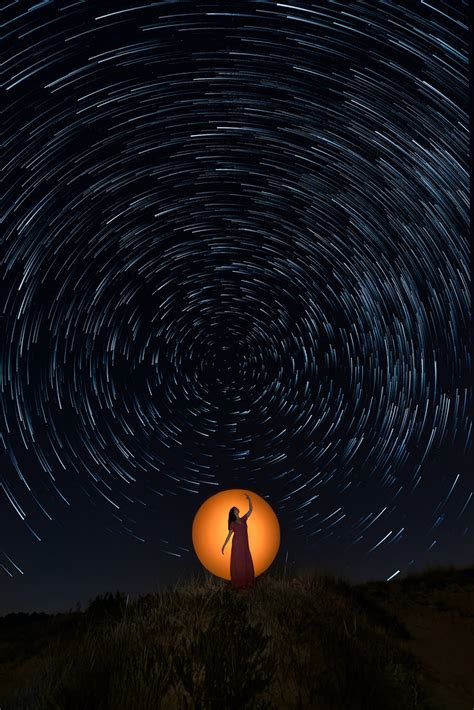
column 307, row 640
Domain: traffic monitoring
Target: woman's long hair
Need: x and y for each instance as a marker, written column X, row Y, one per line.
column 232, row 517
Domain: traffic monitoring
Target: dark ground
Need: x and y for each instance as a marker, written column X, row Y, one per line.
column 307, row 639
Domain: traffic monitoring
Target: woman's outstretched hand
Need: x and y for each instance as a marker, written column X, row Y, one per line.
column 222, row 550
column 247, row 496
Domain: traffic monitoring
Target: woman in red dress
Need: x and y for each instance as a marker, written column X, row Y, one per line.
column 242, row 572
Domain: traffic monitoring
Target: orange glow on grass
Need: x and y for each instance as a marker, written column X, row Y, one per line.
column 210, row 531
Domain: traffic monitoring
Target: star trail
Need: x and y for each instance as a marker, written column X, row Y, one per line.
column 234, row 253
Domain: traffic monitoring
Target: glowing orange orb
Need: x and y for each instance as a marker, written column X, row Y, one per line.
column 210, row 531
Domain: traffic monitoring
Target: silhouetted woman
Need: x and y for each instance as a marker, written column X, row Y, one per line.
column 242, row 573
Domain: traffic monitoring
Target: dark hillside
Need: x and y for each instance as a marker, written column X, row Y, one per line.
column 307, row 640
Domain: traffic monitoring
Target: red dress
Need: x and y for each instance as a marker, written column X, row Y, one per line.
column 242, row 573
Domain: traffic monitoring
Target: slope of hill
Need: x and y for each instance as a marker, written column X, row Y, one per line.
column 437, row 608
column 305, row 640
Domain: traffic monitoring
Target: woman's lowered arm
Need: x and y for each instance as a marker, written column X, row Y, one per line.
column 226, row 540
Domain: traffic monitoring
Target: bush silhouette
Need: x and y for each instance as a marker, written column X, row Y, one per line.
column 107, row 606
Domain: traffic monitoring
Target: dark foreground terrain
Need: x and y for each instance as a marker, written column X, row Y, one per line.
column 299, row 640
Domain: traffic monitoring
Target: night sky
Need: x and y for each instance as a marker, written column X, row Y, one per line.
column 234, row 254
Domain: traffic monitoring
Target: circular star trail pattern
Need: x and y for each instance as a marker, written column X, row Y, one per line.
column 234, row 252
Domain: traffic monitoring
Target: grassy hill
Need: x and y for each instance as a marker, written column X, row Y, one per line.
column 303, row 640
